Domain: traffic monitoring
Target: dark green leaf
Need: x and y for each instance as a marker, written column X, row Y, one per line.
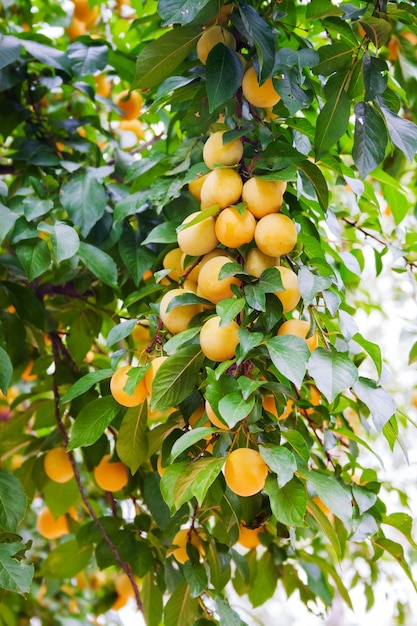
column 180, row 11
column 176, row 378
column 364, row 498
column 325, row 566
column 370, row 139
column 281, row 461
column 378, row 30
column 34, row 256
column 317, row 180
column 292, row 94
column 6, row 371
column 224, row 73
column 99, row 263
column 120, row 332
column 402, row 132
column 161, row 57
column 375, row 76
column 7, row 221
column 35, row 207
column 333, row 372
column 378, row 401
column 332, row 122
column 290, row 355
column 132, row 441
column 288, row 503
column 15, row 575
column 260, row 35
column 84, row 384
column 228, row 617
column 333, row 57
column 196, row 577
column 87, row 60
column 84, row 199
column 12, row 502
column 135, row 256
column 163, row 233
column 10, row 50
column 92, row 421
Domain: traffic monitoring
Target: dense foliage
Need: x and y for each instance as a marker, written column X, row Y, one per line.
column 105, row 111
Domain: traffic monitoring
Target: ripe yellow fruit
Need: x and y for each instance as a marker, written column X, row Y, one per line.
column 151, row 372
column 290, row 297
column 264, row 95
column 103, row 85
column 117, row 384
column 110, row 476
column 84, row 13
column 257, row 262
column 219, row 343
column 194, row 187
column 129, row 103
column 211, row 37
column 249, row 537
column 57, row 465
column 177, row 319
column 173, row 261
column 276, row 234
column 215, row 152
column 300, row 328
column 223, row 16
column 210, row 286
column 50, row 527
column 245, row 472
column 234, row 229
column 263, row 196
column 222, row 186
column 134, row 126
column 269, row 404
column 215, row 421
column 198, row 239
column 181, row 539
column 141, row 334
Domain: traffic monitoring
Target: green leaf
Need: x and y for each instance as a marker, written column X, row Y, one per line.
column 188, row 439
column 229, row 308
column 375, row 76
column 396, row 551
column 185, row 480
column 47, row 54
column 132, row 442
column 151, row 596
column 333, row 372
column 335, row 495
column 6, row 371
column 377, row 30
column 370, row 139
column 180, row 11
column 135, row 256
column 234, row 408
column 332, row 122
column 15, row 575
column 35, row 207
column 326, row 526
column 379, row 402
column 181, row 608
column 84, row 199
column 162, row 233
column 402, row 132
column 84, row 384
column 259, row 34
column 372, row 349
column 311, row 284
column 397, row 202
column 65, row 242
column 12, row 502
column 87, row 59
column 228, row 617
column 196, row 577
column 402, row 522
column 288, row 503
column 99, row 263
column 120, row 332
column 289, row 87
column 34, row 256
column 317, row 180
column 92, row 421
column 176, row 378
column 325, row 566
column 59, row 497
column 161, row 57
column 66, row 560
column 297, row 442
column 10, row 50
column 364, row 498
column 224, row 73
column 290, row 355
column 281, row 461
column 412, row 357
column 7, row 221
column 333, row 58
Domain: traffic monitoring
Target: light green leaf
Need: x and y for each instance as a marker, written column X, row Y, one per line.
column 120, row 331
column 402, row 522
column 7, row 221
column 176, row 378
column 84, row 384
column 151, row 596
column 364, row 498
column 333, row 58
column 66, row 560
column 181, row 608
column 162, row 233
column 281, row 461
column 328, row 568
column 6, row 371
column 397, row 552
column 34, row 256
column 15, row 575
column 335, row 495
column 34, row 207
column 233, row 408
column 10, row 50
column 290, row 355
column 311, row 284
column 288, row 503
column 13, row 502
column 188, row 439
column 326, row 526
column 333, row 372
column 332, row 122
column 229, row 308
column 196, row 480
column 412, row 357
column 161, row 57
column 92, row 421
column 372, row 349
column 84, row 199
column 132, row 442
column 99, row 263
column 379, row 402
column 65, row 242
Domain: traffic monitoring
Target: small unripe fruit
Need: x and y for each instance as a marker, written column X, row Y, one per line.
column 219, row 343
column 215, row 152
column 198, row 239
